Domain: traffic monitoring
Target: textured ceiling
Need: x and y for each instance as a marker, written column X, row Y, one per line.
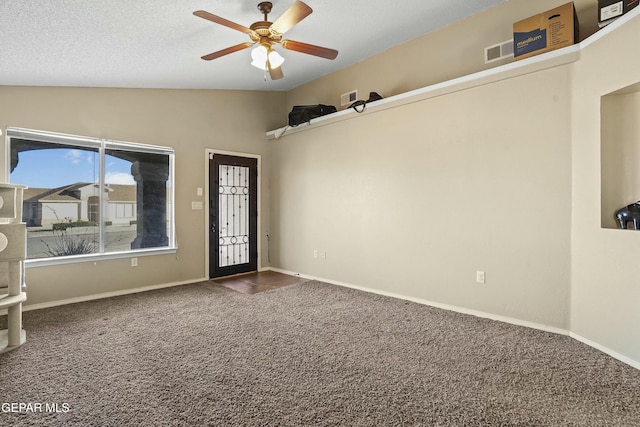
column 158, row 43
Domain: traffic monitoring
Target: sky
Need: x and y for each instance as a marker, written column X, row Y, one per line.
column 63, row 166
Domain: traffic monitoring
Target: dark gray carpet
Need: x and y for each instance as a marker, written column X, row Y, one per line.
column 308, row 354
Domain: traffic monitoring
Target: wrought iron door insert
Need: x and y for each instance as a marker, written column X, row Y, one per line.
column 233, row 215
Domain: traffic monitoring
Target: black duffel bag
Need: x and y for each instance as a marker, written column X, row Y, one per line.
column 373, row 96
column 304, row 113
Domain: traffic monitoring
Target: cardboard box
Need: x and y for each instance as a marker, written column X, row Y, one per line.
column 610, row 10
column 554, row 29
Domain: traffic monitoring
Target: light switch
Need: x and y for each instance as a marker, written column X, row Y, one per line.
column 199, row 191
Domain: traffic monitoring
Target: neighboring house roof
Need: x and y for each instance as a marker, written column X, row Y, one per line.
column 71, row 193
column 68, row 193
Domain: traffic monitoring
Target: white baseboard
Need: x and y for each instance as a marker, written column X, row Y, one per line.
column 448, row 307
column 26, row 307
column 629, row 361
column 108, row 294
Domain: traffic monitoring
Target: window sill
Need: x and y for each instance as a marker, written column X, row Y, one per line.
column 46, row 262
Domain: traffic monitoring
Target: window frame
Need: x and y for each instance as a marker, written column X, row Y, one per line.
column 102, row 145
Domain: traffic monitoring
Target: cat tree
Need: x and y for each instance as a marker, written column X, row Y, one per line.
column 12, row 255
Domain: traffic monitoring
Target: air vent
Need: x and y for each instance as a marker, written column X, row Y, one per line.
column 348, row 98
column 498, row 51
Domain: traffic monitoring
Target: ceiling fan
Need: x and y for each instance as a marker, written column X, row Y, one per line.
column 266, row 34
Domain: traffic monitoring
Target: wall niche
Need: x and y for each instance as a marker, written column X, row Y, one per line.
column 620, row 155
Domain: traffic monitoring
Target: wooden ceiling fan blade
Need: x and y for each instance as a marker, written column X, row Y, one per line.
column 218, row 20
column 275, row 73
column 296, row 13
column 310, row 49
column 227, row 51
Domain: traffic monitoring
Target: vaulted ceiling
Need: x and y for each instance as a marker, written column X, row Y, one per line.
column 158, row 43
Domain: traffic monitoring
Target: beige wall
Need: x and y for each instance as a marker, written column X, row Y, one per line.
column 191, row 122
column 605, row 295
column 414, row 200
column 414, row 158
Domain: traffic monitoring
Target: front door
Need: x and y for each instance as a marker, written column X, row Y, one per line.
column 233, row 215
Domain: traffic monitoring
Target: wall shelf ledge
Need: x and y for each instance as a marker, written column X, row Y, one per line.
column 533, row 64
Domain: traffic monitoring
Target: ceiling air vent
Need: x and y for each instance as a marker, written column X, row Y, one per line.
column 498, row 51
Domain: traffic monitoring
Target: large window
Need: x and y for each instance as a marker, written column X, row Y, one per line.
column 90, row 197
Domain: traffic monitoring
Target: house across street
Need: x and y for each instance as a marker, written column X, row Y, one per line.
column 79, row 202
column 47, row 211
column 41, row 240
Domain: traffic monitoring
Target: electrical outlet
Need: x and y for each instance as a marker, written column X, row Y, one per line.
column 134, row 262
column 323, row 255
column 480, row 276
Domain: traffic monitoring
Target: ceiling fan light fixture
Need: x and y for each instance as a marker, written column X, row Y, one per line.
column 261, row 53
column 265, row 35
column 259, row 56
column 275, row 59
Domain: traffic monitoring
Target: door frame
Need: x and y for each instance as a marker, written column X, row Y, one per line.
column 208, row 153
